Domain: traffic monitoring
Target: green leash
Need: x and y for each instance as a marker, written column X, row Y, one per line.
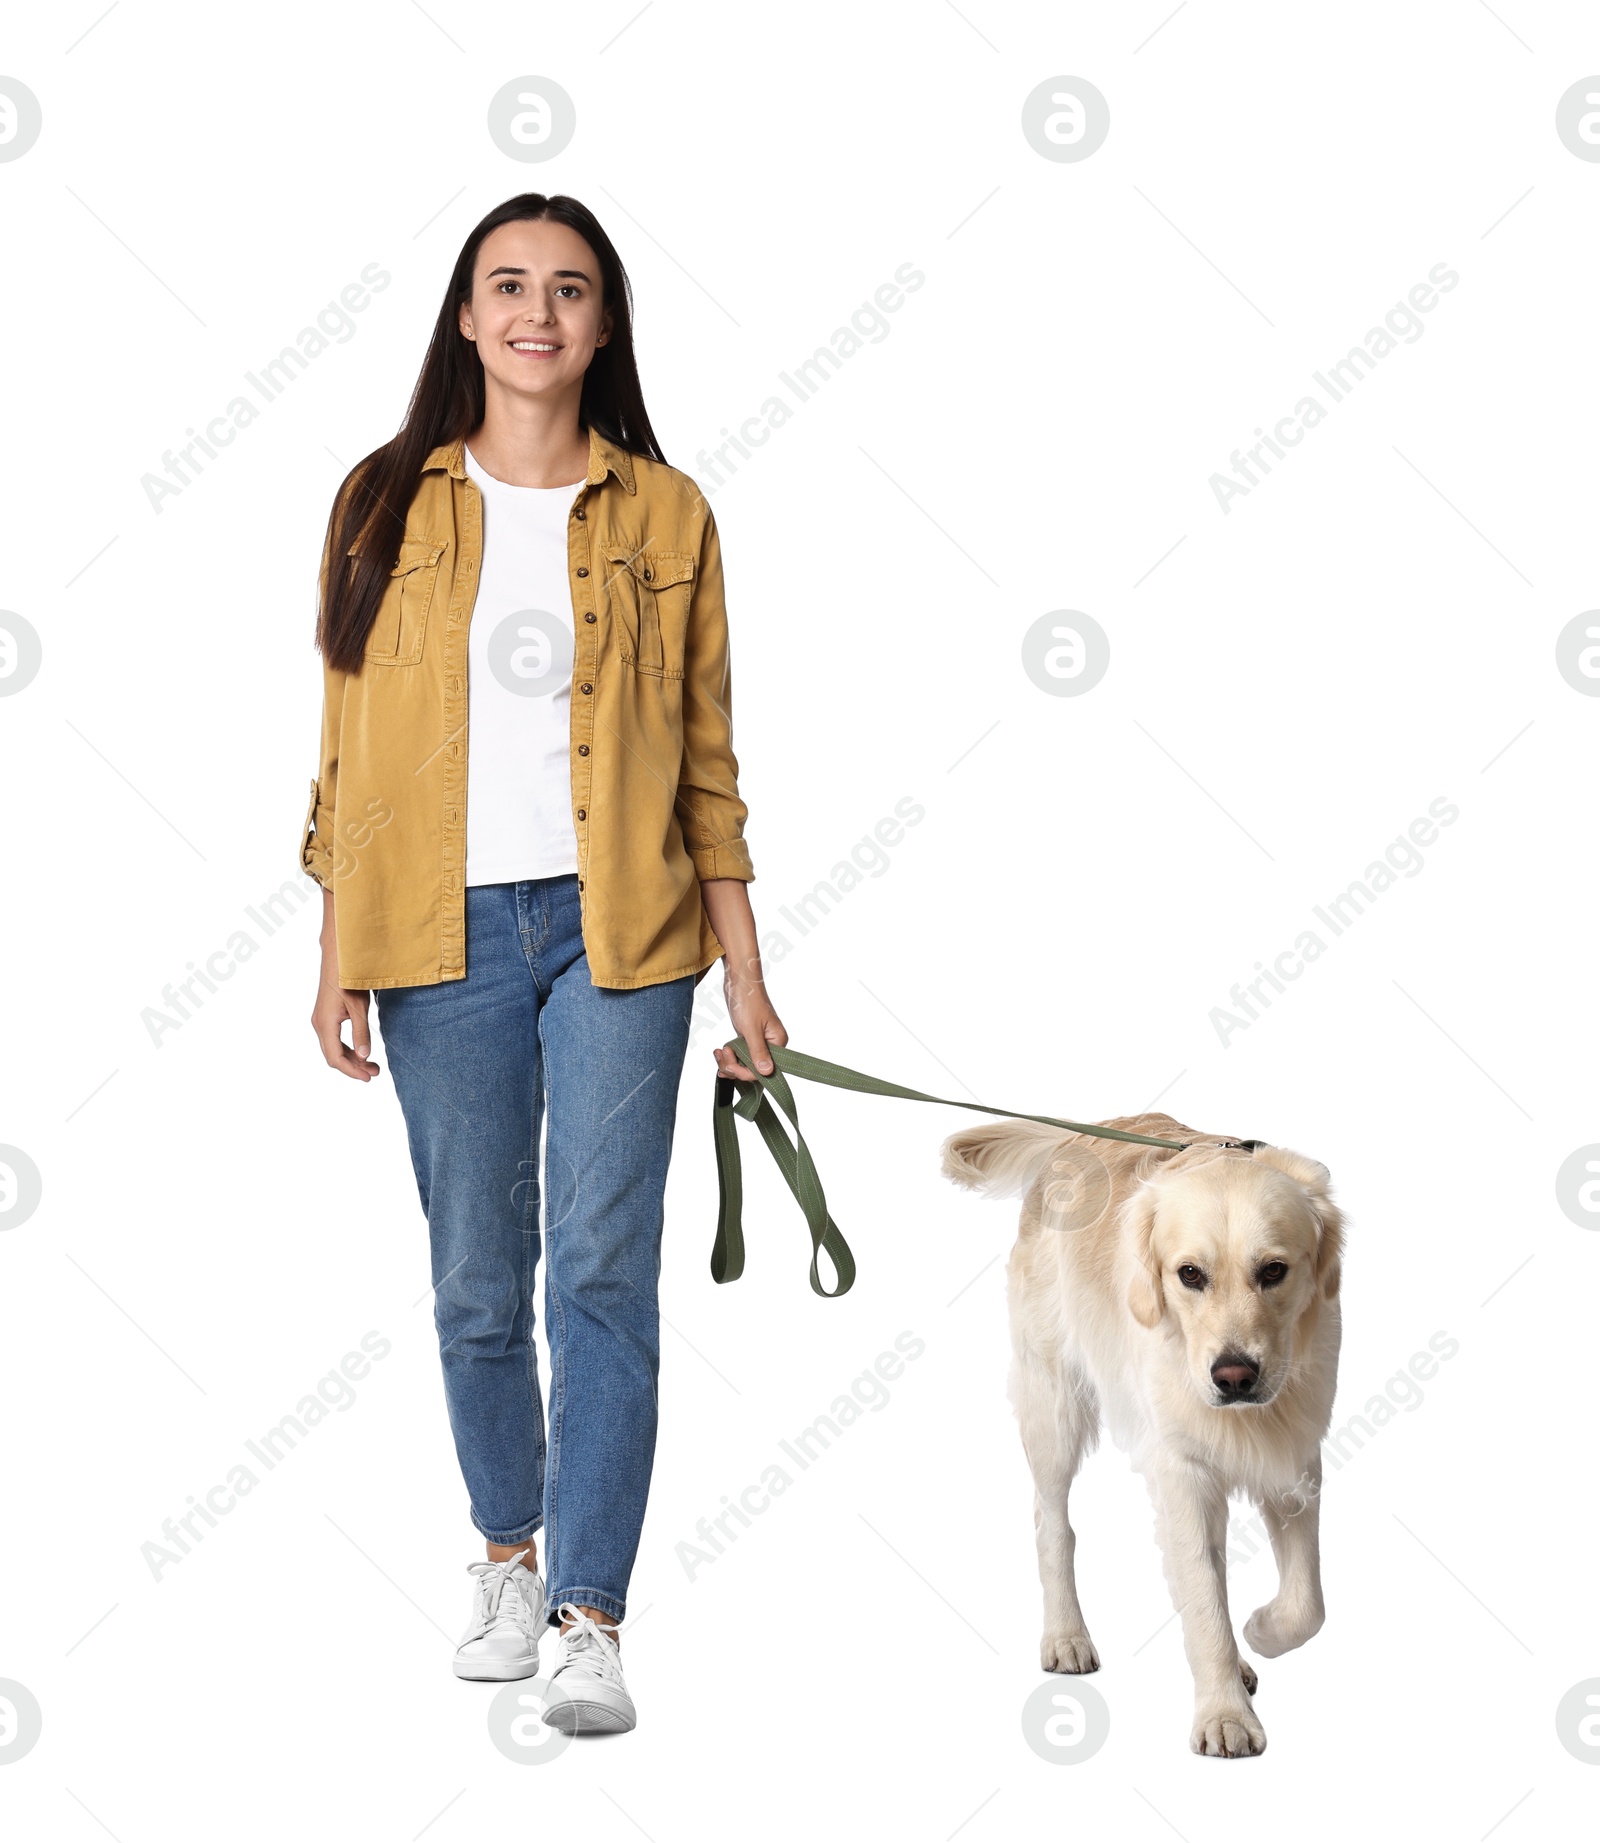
column 794, row 1158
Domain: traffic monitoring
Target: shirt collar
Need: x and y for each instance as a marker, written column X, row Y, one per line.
column 604, row 457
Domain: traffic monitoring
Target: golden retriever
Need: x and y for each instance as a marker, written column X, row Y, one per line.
column 1192, row 1299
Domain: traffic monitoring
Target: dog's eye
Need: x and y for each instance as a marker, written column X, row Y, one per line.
column 1191, row 1276
column 1272, row 1273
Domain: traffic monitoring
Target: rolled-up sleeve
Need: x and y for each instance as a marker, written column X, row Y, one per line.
column 709, row 808
column 317, row 836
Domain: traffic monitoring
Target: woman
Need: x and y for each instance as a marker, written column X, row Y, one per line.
column 529, row 600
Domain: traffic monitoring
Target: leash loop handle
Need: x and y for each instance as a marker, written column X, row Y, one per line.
column 793, row 1160
column 754, row 1101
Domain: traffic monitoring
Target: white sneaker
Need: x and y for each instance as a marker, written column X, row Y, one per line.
column 587, row 1693
column 502, row 1641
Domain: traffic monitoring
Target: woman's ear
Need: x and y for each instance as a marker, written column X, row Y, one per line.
column 1314, row 1179
column 1145, row 1300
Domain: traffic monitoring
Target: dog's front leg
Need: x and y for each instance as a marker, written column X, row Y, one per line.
column 1057, row 1411
column 1296, row 1613
column 1192, row 1524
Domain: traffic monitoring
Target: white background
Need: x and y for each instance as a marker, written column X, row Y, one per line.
column 1291, row 684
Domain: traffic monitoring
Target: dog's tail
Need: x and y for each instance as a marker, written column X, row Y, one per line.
column 1001, row 1160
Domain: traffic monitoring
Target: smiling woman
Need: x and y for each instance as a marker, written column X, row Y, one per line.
column 520, row 596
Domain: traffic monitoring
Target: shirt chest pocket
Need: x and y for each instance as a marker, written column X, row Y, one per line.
column 397, row 633
column 650, row 592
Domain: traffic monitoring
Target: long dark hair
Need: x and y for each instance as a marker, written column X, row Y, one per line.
column 369, row 510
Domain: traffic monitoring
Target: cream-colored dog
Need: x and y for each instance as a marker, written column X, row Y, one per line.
column 1191, row 1298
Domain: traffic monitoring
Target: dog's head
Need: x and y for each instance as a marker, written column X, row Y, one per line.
column 1233, row 1253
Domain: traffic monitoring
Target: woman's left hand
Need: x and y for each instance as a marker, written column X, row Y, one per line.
column 753, row 1018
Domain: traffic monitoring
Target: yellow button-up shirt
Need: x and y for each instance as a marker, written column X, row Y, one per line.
column 655, row 799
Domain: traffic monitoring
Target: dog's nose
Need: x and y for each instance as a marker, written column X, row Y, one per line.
column 1235, row 1375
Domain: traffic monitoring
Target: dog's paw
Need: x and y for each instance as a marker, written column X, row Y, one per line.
column 1273, row 1629
column 1071, row 1653
column 1228, row 1733
column 1248, row 1677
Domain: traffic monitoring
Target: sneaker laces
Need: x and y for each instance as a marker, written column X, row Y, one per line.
column 587, row 1645
column 494, row 1577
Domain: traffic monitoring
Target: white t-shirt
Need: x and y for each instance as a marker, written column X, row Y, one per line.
column 519, row 686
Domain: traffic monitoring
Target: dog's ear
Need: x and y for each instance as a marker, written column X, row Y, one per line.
column 1314, row 1179
column 1145, row 1299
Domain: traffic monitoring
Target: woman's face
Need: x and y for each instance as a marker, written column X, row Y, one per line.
column 535, row 312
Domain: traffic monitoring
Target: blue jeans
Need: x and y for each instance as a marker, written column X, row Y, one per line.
column 476, row 1063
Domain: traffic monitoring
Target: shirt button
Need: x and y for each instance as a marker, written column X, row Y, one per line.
column 582, row 814
column 589, row 617
column 586, row 689
column 583, row 748
column 578, row 513
column 647, row 575
column 583, row 572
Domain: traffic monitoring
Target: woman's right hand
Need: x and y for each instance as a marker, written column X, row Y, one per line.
column 334, row 1004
